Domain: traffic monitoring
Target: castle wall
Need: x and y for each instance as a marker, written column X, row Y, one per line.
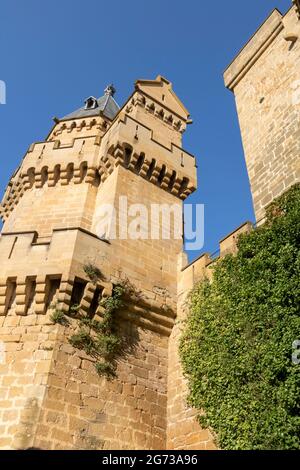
column 45, row 209
column 45, row 241
column 73, row 406
column 183, row 430
column 51, row 394
column 265, row 78
column 84, row 411
column 26, row 344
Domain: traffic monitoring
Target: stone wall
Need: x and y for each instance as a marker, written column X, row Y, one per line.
column 53, row 398
column 183, row 430
column 265, row 78
column 51, row 231
column 84, row 411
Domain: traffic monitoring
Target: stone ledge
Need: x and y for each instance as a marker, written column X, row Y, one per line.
column 255, row 47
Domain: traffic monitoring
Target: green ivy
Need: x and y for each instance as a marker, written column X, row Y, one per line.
column 92, row 272
column 58, row 316
column 236, row 348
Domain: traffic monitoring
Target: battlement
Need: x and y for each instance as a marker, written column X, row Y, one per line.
column 67, row 130
column 91, row 157
column 62, row 257
column 201, row 268
column 297, row 5
column 131, row 144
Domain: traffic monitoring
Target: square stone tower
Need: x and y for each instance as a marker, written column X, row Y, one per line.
column 51, row 396
column 265, row 79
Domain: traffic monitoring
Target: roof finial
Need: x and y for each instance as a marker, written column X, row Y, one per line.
column 110, row 90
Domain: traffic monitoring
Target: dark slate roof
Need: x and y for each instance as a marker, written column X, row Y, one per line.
column 105, row 105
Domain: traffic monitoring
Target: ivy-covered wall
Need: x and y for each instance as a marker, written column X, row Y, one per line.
column 236, row 349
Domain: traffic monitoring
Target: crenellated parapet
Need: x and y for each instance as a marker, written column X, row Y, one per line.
column 42, row 294
column 202, row 267
column 44, row 175
column 297, row 5
column 132, row 145
column 67, row 130
column 264, row 77
column 91, row 160
column 154, row 108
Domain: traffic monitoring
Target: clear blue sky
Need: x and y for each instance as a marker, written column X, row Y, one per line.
column 53, row 54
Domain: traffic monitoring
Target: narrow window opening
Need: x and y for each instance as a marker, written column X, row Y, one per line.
column 10, row 301
column 52, row 291
column 13, row 247
column 30, row 295
column 182, row 160
column 95, row 303
column 140, row 162
column 161, row 174
column 151, row 168
column 128, row 153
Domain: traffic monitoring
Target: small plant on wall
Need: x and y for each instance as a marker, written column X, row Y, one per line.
column 96, row 332
column 58, row 316
column 92, row 272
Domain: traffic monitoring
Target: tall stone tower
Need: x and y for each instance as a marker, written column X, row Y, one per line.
column 265, row 78
column 51, row 396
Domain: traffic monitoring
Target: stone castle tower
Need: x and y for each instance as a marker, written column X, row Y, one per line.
column 51, row 396
column 265, row 78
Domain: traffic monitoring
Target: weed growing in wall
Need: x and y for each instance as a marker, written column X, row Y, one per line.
column 92, row 272
column 99, row 339
column 58, row 316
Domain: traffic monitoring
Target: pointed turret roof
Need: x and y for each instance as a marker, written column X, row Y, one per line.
column 105, row 105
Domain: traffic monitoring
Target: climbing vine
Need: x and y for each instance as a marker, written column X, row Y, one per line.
column 236, row 348
column 99, row 339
